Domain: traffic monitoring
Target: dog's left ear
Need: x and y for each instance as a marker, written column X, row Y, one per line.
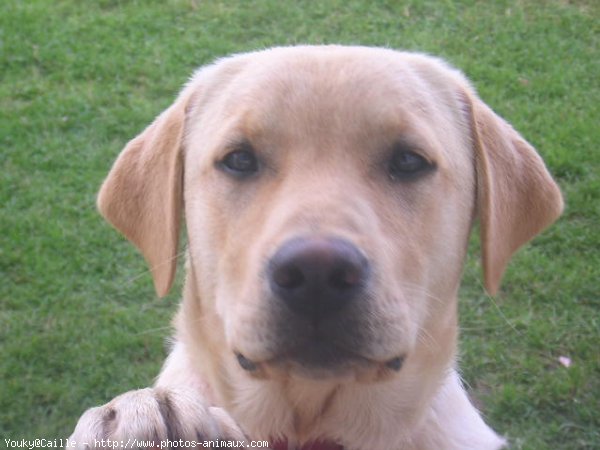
column 516, row 196
column 142, row 195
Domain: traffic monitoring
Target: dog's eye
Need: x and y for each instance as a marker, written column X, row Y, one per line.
column 406, row 165
column 240, row 162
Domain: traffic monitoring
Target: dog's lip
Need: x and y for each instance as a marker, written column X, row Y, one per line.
column 297, row 360
column 347, row 358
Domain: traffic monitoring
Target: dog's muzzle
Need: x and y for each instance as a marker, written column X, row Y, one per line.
column 320, row 288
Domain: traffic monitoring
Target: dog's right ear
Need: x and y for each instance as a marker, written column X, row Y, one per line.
column 142, row 196
column 516, row 195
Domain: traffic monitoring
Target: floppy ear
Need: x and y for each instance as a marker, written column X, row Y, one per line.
column 516, row 196
column 142, row 195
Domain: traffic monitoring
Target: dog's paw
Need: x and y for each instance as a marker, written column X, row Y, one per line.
column 155, row 419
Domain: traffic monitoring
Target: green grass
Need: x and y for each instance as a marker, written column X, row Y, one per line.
column 79, row 321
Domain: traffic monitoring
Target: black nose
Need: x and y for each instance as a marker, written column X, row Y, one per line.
column 317, row 277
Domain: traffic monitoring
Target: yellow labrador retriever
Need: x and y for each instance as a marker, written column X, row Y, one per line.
column 328, row 195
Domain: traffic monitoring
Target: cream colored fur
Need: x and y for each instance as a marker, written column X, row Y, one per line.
column 322, row 119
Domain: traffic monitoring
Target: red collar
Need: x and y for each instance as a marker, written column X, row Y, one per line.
column 315, row 445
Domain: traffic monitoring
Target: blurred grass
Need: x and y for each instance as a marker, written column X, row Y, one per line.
column 79, row 321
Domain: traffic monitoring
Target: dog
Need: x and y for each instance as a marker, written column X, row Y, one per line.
column 328, row 194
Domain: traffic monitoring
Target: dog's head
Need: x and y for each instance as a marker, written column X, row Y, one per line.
column 328, row 195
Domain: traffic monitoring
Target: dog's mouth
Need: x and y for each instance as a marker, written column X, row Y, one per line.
column 321, row 361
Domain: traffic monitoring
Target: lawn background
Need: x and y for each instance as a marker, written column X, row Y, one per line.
column 79, row 321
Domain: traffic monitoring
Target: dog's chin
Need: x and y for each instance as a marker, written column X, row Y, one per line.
column 323, row 362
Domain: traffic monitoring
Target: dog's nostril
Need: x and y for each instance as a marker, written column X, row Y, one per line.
column 318, row 276
column 346, row 277
column 288, row 277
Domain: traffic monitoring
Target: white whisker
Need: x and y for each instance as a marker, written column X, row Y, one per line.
column 420, row 290
column 147, row 271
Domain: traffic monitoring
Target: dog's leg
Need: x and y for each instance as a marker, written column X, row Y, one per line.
column 175, row 409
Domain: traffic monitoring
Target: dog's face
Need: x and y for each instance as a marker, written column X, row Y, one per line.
column 328, row 195
column 330, row 210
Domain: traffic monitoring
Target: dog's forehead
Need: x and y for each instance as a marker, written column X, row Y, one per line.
column 349, row 94
column 336, row 80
